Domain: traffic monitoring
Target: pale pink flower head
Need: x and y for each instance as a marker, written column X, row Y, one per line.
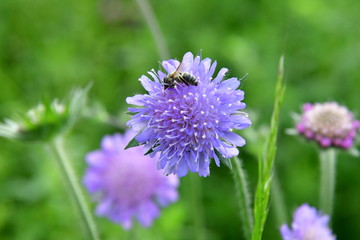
column 329, row 124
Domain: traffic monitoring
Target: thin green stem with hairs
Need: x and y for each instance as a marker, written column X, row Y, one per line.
column 197, row 207
column 327, row 180
column 243, row 198
column 57, row 148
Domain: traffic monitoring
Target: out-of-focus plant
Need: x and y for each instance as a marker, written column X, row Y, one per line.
column 48, row 122
column 333, row 127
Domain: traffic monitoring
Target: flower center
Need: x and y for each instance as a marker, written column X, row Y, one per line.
column 126, row 188
column 330, row 121
column 187, row 118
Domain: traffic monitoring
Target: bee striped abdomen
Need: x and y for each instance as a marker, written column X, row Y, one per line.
column 188, row 79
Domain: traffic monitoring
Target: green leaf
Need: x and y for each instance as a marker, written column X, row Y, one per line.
column 132, row 143
column 150, row 151
column 266, row 161
column 131, row 113
column 224, row 160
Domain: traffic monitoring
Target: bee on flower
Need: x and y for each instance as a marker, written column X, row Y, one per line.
column 189, row 116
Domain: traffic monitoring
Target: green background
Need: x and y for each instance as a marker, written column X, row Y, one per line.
column 49, row 47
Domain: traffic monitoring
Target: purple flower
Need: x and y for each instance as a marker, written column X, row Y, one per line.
column 126, row 184
column 308, row 224
column 329, row 124
column 192, row 122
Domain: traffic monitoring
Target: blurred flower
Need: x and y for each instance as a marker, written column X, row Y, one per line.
column 45, row 120
column 308, row 224
column 329, row 124
column 126, row 183
column 189, row 124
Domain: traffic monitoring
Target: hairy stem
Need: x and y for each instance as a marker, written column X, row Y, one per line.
column 197, row 207
column 243, row 197
column 327, row 180
column 88, row 225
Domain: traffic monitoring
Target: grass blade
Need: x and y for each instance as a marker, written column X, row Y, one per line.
column 266, row 163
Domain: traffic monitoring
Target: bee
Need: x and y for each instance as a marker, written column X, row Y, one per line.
column 178, row 76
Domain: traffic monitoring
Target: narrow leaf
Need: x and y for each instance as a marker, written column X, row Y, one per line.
column 224, row 160
column 150, row 151
column 131, row 113
column 262, row 196
column 132, row 143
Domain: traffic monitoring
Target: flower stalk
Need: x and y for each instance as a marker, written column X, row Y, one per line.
column 155, row 30
column 56, row 147
column 243, row 198
column 327, row 180
column 197, row 207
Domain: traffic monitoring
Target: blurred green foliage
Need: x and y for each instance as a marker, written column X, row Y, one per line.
column 47, row 47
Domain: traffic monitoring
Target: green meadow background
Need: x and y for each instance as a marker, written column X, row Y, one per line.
column 48, row 47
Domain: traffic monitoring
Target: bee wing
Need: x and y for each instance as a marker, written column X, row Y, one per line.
column 180, row 67
column 184, row 66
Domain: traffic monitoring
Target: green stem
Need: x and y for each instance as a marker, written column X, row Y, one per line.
column 197, row 207
column 243, row 195
column 327, row 180
column 150, row 18
column 57, row 148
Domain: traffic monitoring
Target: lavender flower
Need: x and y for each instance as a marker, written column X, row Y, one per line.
column 189, row 124
column 308, row 224
column 329, row 124
column 126, row 183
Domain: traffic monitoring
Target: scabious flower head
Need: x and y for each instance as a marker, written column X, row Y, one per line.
column 189, row 124
column 329, row 124
column 126, row 184
column 308, row 224
column 46, row 120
